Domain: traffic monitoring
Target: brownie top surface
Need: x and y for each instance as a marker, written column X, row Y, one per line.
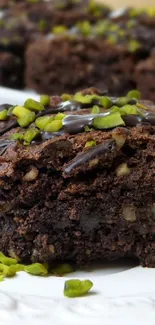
column 69, row 116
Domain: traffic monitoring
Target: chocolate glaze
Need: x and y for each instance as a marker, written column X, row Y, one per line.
column 4, row 106
column 4, row 144
column 90, row 154
column 73, row 124
column 7, row 125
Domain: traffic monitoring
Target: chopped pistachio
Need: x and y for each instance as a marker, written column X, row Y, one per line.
column 33, row 105
column 119, row 138
column 60, row 116
column 109, row 121
column 66, row 97
column 3, row 115
column 42, row 121
column 106, row 102
column 17, row 136
column 36, row 269
column 129, row 109
column 133, row 45
column 1, row 278
column 7, row 260
column 95, row 110
column 25, row 117
column 122, row 101
column 87, row 99
column 62, row 269
column 134, row 94
column 76, row 288
column 9, row 111
column 44, row 100
column 114, row 109
column 53, row 126
column 84, row 27
column 31, row 134
column 7, row 270
column 90, row 143
column 59, row 29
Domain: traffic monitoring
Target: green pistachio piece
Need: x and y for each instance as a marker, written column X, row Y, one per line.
column 59, row 29
column 114, row 109
column 18, row 267
column 7, row 260
column 1, row 278
column 135, row 94
column 133, row 45
column 9, row 111
column 76, row 288
column 3, row 115
column 84, row 27
column 7, row 271
column 95, row 110
column 33, row 105
column 60, row 116
column 42, row 121
column 25, row 117
column 88, row 129
column 66, row 97
column 129, row 109
column 62, row 269
column 36, row 269
column 44, row 100
column 31, row 134
column 106, row 102
column 90, row 143
column 122, row 101
column 54, row 126
column 109, row 121
column 85, row 99
column 27, row 120
column 17, row 136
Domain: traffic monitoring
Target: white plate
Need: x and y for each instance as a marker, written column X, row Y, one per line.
column 123, row 294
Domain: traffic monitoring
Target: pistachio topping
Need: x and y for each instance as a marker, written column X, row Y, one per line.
column 42, row 121
column 106, row 102
column 37, row 269
column 33, row 105
column 3, row 115
column 76, row 288
column 95, row 110
column 44, row 100
column 7, row 260
column 134, row 94
column 107, row 122
column 53, row 126
column 90, row 143
column 30, row 135
column 130, row 110
column 84, row 99
column 25, row 117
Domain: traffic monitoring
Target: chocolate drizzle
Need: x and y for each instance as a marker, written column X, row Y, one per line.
column 73, row 124
column 4, row 144
column 89, row 155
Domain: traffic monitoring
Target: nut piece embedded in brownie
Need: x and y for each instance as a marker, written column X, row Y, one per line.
column 77, row 178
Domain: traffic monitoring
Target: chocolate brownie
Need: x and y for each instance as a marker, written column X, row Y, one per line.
column 77, row 179
column 26, row 21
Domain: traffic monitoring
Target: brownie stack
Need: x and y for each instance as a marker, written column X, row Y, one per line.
column 77, row 179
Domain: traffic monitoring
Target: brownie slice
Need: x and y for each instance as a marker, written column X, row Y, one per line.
column 77, row 179
column 24, row 21
column 145, row 77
